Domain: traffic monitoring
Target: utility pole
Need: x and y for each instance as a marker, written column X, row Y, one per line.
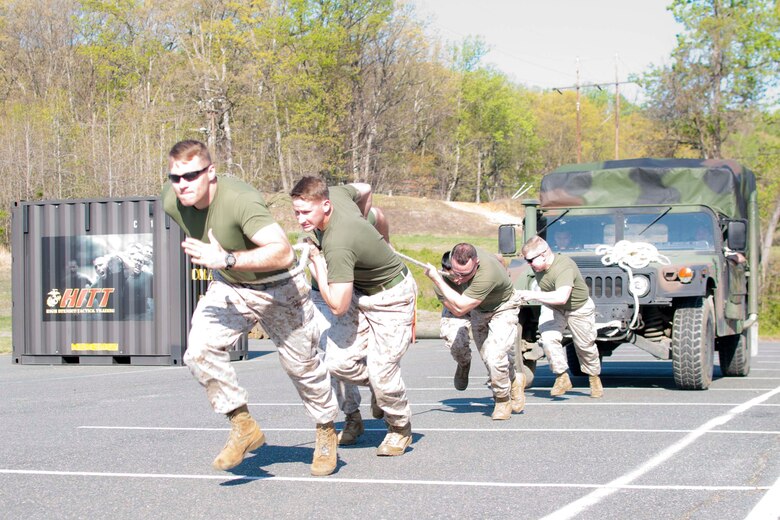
column 578, row 87
column 617, row 111
column 579, row 127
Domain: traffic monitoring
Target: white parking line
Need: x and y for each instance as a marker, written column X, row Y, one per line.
column 443, row 430
column 337, row 480
column 545, row 403
column 578, row 506
column 767, row 507
column 611, row 388
column 85, row 376
column 611, row 377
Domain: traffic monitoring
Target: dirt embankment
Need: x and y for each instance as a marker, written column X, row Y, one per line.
column 421, row 216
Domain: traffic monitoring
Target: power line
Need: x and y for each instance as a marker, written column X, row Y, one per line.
column 578, row 86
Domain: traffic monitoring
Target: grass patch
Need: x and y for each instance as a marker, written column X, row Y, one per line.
column 5, row 302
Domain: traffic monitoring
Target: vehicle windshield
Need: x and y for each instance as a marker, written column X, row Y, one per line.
column 662, row 227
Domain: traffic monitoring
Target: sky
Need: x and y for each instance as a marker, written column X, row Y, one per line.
column 541, row 43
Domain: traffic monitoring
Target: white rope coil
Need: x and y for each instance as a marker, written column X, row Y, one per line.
column 629, row 256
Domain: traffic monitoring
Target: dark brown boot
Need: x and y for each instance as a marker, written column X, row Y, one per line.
column 461, row 379
column 353, row 429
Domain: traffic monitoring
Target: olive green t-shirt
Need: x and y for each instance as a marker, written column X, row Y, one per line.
column 562, row 273
column 343, row 195
column 491, row 283
column 354, row 250
column 237, row 212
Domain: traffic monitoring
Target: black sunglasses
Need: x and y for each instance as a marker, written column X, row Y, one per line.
column 189, row 176
column 531, row 260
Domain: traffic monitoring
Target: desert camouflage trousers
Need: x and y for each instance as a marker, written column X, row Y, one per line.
column 347, row 394
column 366, row 344
column 455, row 332
column 286, row 314
column 495, row 334
column 582, row 325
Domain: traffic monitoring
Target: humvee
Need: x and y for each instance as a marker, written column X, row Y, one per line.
column 669, row 251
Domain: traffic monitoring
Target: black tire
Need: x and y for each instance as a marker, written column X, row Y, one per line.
column 693, row 344
column 734, row 355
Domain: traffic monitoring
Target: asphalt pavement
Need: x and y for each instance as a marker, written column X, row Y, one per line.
column 136, row 442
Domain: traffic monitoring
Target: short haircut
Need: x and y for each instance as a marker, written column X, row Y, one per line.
column 463, row 252
column 536, row 244
column 310, row 188
column 189, row 149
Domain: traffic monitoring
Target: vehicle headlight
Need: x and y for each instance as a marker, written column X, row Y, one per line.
column 640, row 285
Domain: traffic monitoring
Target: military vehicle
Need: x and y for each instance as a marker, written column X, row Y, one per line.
column 669, row 250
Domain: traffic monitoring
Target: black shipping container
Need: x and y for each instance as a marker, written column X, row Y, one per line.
column 102, row 282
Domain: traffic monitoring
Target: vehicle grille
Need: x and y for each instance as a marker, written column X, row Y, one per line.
column 604, row 287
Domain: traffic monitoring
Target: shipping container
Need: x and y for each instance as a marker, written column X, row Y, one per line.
column 102, row 282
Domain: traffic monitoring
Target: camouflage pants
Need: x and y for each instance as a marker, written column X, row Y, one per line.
column 495, row 334
column 286, row 313
column 455, row 333
column 582, row 325
column 366, row 344
column 348, row 395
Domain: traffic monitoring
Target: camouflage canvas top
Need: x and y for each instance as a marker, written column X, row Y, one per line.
column 722, row 185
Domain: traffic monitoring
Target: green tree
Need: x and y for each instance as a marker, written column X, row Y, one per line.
column 723, row 64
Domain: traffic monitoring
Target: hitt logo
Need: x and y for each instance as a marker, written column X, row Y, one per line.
column 80, row 300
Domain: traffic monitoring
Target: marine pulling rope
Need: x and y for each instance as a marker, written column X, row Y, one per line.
column 629, row 256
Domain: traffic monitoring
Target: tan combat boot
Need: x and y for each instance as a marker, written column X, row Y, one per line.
column 324, row 461
column 461, row 379
column 596, row 389
column 245, row 436
column 353, row 428
column 562, row 385
column 396, row 441
column 517, row 393
column 503, row 409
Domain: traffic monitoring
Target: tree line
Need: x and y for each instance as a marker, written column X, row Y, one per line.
column 94, row 93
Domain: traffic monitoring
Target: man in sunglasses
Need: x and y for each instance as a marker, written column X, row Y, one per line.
column 479, row 287
column 371, row 292
column 231, row 231
column 566, row 302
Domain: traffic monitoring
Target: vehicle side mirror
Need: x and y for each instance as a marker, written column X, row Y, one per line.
column 507, row 241
column 736, row 237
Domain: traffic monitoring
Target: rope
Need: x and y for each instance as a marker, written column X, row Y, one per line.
column 417, row 262
column 303, row 259
column 629, row 256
